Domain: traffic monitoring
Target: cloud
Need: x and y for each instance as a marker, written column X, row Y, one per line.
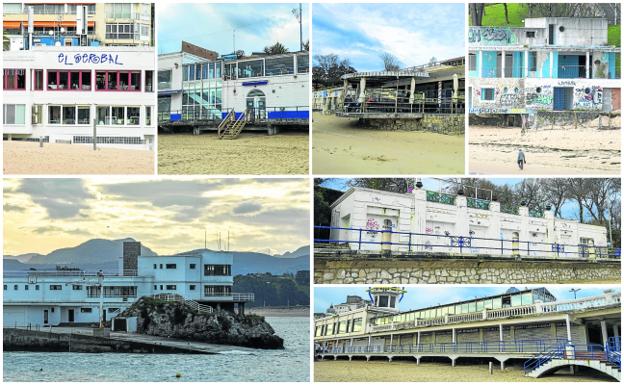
column 10, row 207
column 247, row 208
column 61, row 198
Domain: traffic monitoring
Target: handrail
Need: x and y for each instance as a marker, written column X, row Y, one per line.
column 543, row 358
column 412, row 242
column 225, row 121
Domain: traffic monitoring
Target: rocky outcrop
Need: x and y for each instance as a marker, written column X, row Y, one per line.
column 178, row 320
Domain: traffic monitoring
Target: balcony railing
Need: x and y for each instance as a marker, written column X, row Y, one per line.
column 375, row 240
column 243, row 297
column 516, row 311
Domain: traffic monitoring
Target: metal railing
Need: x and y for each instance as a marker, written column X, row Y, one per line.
column 515, row 346
column 614, row 351
column 374, row 240
column 554, row 352
column 402, row 105
column 243, row 297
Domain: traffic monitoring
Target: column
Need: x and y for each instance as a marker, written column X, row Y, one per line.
column 605, row 334
column 526, row 64
column 369, row 343
column 551, row 61
column 391, row 348
column 568, row 328
column 454, row 335
column 418, row 341
column 500, row 336
column 412, row 90
column 587, row 65
column 362, row 96
column 503, row 64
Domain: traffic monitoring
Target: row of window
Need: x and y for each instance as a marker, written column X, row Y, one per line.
column 52, row 287
column 340, row 327
column 133, row 31
column 209, row 270
column 78, row 115
column 78, row 80
column 46, row 9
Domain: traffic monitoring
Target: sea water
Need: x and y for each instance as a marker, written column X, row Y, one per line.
column 290, row 364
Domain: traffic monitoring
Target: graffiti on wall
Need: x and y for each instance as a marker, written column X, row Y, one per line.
column 492, row 35
column 540, row 97
column 372, row 225
column 587, row 98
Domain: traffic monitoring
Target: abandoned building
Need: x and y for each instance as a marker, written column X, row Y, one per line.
column 552, row 64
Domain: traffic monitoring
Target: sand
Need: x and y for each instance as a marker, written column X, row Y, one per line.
column 339, row 146
column 408, row 371
column 493, row 150
column 54, row 158
column 250, row 153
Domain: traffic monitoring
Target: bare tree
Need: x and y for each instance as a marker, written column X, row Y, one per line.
column 556, row 192
column 476, row 12
column 391, row 62
column 577, row 190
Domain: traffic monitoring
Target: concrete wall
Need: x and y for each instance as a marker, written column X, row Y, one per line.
column 389, row 271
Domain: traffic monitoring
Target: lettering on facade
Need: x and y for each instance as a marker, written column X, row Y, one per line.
column 588, row 98
column 89, row 58
column 492, row 35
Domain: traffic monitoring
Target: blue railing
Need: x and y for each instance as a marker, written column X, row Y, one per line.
column 373, row 239
column 516, row 346
column 544, row 358
column 614, row 351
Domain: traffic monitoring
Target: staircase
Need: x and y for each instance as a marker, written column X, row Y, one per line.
column 230, row 127
column 605, row 361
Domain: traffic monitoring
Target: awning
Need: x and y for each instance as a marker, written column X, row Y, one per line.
column 44, row 24
column 168, row 92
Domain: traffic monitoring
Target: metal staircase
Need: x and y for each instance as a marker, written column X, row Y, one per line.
column 231, row 126
column 603, row 359
column 198, row 307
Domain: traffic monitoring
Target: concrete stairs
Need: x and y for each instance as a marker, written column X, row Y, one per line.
column 601, row 366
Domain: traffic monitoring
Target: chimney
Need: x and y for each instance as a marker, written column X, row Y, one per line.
column 131, row 252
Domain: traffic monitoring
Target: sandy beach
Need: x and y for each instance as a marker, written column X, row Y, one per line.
column 339, row 146
column 250, row 153
column 408, row 371
column 493, row 150
column 54, row 158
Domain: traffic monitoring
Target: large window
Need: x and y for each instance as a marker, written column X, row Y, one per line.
column 37, row 114
column 217, row 270
column 250, row 69
column 69, row 80
column 103, row 115
column 280, row 66
column 14, row 79
column 148, row 115
column 164, row 79
column 112, row 291
column 472, row 62
column 69, row 115
column 54, row 114
column 303, row 64
column 121, row 31
column 118, row 81
column 217, row 290
column 487, row 94
column 14, row 114
column 117, row 116
column 84, row 115
column 119, row 11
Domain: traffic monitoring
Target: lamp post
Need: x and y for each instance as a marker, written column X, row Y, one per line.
column 574, row 291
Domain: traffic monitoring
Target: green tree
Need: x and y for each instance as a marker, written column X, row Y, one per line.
column 275, row 49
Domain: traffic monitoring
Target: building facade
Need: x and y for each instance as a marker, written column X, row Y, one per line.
column 431, row 222
column 550, row 64
column 55, row 23
column 72, row 296
column 517, row 324
column 261, row 86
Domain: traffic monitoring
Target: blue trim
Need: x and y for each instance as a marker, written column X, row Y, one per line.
column 175, row 117
column 236, row 114
column 255, row 83
column 289, row 115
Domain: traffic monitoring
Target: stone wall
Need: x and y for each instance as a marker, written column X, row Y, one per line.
column 399, row 271
column 438, row 123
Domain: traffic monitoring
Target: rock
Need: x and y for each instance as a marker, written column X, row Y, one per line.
column 178, row 320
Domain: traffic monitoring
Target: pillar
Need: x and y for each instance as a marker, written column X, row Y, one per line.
column 412, row 90
column 369, row 343
column 605, row 334
column 418, row 342
column 503, row 64
column 439, row 94
column 453, row 361
column 479, row 63
column 616, row 331
column 568, row 328
column 551, row 61
column 454, row 335
column 362, row 96
column 587, row 65
column 526, row 64
column 391, row 348
column 500, row 336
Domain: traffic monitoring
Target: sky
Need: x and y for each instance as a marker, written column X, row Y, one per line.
column 420, row 297
column 412, row 32
column 211, row 26
column 569, row 210
column 168, row 215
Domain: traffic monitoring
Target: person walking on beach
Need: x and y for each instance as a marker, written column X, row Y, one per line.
column 521, row 159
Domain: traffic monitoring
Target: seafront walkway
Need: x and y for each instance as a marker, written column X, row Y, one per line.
column 182, row 346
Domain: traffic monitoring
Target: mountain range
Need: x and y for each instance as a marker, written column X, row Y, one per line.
column 104, row 254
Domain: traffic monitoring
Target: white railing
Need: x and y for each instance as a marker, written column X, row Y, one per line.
column 516, row 311
column 198, row 307
column 243, row 297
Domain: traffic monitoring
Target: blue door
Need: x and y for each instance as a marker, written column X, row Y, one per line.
column 562, row 98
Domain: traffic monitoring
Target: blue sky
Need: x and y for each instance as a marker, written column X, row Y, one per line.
column 419, row 297
column 211, row 25
column 569, row 209
column 411, row 32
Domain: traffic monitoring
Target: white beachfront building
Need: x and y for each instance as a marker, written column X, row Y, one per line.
column 197, row 84
column 431, row 222
column 72, row 296
column 60, row 93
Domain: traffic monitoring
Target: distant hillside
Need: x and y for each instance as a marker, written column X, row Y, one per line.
column 104, row 254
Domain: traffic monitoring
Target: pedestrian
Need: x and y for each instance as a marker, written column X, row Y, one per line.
column 521, row 159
